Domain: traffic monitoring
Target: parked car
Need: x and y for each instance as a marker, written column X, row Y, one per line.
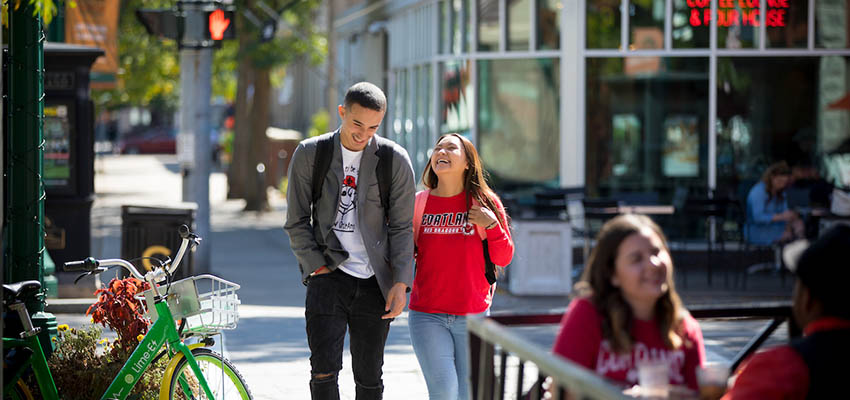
column 160, row 139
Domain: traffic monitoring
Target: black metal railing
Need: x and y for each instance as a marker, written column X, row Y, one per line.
column 501, row 359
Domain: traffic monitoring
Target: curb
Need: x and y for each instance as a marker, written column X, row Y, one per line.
column 69, row 306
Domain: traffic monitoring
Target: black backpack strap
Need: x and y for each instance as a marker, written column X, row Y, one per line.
column 385, row 173
column 321, row 165
column 489, row 267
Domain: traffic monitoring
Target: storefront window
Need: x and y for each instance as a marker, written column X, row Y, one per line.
column 409, row 107
column 519, row 21
column 737, row 23
column 646, row 24
column 398, row 107
column 760, row 122
column 488, row 25
column 690, row 24
column 831, row 21
column 423, row 121
column 446, row 26
column 787, row 23
column 647, row 128
column 456, row 97
column 57, row 145
column 460, row 27
column 518, row 117
column 603, row 24
column 548, row 24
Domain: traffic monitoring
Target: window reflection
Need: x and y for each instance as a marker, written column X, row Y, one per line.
column 458, row 26
column 646, row 20
column 603, row 24
column 831, row 24
column 518, row 134
column 805, row 121
column 787, row 23
column 737, row 24
column 689, row 27
column 398, row 107
column 488, row 25
column 647, row 120
column 548, row 24
column 760, row 122
column 423, row 121
column 446, row 26
column 519, row 24
column 456, row 98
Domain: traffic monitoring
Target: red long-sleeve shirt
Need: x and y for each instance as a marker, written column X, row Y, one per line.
column 450, row 259
column 779, row 372
column 580, row 340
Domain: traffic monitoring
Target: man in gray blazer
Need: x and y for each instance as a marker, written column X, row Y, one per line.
column 356, row 257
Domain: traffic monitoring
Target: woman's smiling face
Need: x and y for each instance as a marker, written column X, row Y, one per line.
column 449, row 157
column 642, row 267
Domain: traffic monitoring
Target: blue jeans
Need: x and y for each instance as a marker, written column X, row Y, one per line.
column 441, row 344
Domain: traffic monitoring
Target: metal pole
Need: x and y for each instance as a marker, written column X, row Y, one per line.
column 25, row 234
column 24, row 229
column 194, row 145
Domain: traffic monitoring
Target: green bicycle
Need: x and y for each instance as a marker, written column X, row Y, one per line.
column 193, row 372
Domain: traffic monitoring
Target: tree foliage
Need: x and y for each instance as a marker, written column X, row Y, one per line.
column 297, row 36
column 149, row 67
column 45, row 8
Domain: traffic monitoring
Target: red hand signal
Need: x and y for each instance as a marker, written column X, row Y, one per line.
column 218, row 24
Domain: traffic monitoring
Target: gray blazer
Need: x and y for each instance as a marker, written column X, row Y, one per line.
column 388, row 236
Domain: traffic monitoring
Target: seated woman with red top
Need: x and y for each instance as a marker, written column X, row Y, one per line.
column 627, row 311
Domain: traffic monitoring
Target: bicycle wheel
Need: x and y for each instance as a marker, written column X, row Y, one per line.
column 21, row 391
column 224, row 380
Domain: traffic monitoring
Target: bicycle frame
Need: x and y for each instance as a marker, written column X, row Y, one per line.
column 38, row 363
column 162, row 330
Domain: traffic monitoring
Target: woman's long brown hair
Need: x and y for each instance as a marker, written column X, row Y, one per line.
column 777, row 168
column 474, row 180
column 616, row 313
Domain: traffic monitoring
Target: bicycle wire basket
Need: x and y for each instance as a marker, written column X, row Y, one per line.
column 208, row 303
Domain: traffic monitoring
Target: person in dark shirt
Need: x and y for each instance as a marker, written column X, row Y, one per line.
column 812, row 367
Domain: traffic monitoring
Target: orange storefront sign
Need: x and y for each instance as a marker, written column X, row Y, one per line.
column 95, row 23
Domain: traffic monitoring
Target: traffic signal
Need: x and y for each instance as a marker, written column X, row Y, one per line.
column 220, row 24
column 159, row 23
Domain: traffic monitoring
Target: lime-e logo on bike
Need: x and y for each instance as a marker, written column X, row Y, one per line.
column 139, row 365
column 129, row 378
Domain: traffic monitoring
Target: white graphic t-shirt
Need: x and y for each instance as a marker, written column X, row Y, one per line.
column 345, row 224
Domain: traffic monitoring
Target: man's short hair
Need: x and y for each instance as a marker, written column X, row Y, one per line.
column 366, row 95
column 823, row 268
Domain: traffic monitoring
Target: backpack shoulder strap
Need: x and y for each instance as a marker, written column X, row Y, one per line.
column 385, row 173
column 321, row 165
column 418, row 212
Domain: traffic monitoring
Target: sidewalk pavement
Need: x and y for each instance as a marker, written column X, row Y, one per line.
column 269, row 347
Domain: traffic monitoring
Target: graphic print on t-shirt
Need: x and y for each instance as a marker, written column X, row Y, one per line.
column 611, row 363
column 447, row 224
column 346, row 216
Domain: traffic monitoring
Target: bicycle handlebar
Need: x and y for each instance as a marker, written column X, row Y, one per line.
column 91, row 264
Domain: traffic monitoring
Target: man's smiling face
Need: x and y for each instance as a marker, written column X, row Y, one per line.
column 359, row 124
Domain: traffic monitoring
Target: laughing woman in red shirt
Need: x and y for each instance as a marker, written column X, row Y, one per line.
column 627, row 311
column 457, row 210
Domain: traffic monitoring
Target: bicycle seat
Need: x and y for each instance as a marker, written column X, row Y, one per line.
column 13, row 291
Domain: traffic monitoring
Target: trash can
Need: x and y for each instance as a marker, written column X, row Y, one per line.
column 151, row 232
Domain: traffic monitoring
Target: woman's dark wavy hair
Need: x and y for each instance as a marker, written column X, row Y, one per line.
column 474, row 180
column 776, row 169
column 617, row 315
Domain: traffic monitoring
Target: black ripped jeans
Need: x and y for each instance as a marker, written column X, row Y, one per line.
column 335, row 301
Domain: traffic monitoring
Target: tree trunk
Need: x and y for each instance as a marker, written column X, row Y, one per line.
column 241, row 132
column 256, row 198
